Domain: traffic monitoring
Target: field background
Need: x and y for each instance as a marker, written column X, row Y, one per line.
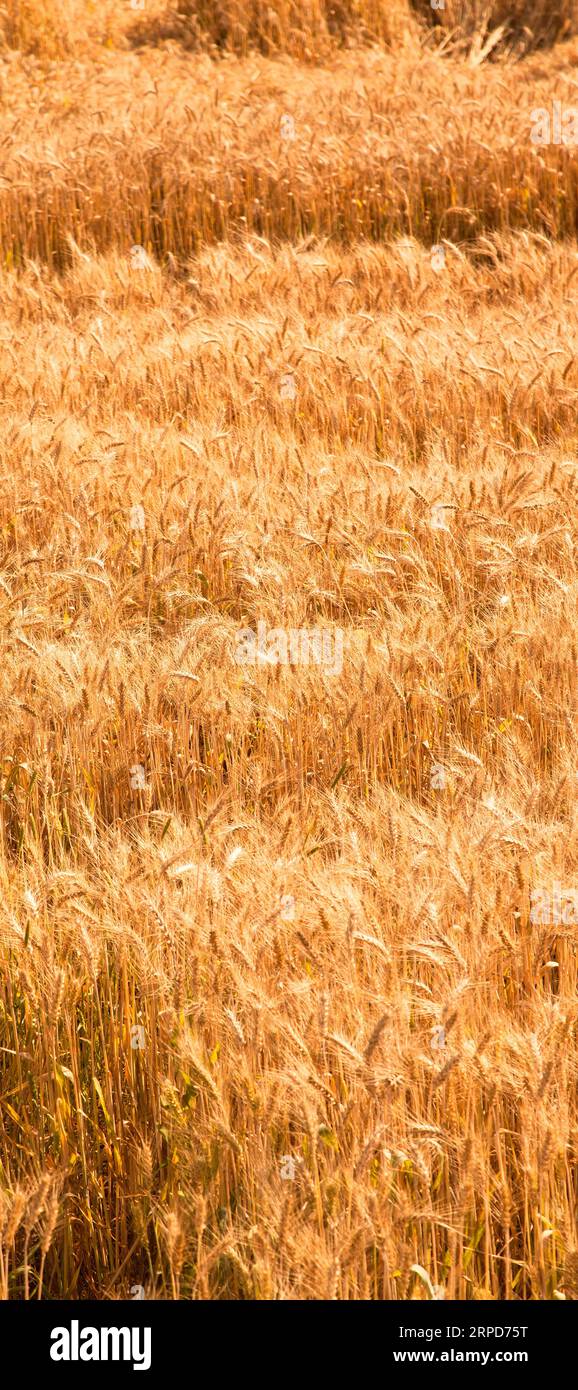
column 419, row 1171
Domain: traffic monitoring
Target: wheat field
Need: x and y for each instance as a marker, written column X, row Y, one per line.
column 278, row 1019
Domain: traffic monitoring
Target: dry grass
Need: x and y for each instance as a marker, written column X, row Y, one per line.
column 418, row 145
column 492, row 26
column 274, row 1034
column 309, row 30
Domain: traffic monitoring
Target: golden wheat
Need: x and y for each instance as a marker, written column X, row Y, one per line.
column 276, row 1020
